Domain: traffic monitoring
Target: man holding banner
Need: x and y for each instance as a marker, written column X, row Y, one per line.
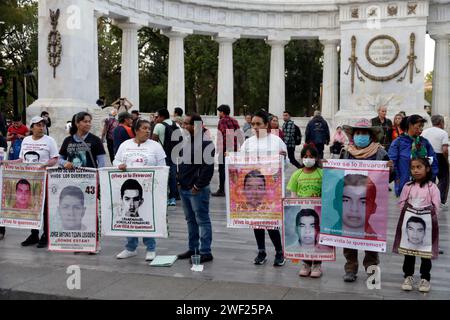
column 47, row 154
column 357, row 194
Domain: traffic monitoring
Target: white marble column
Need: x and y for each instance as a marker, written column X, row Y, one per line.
column 330, row 79
column 95, row 80
column 175, row 85
column 225, row 80
column 441, row 76
column 129, row 73
column 277, row 98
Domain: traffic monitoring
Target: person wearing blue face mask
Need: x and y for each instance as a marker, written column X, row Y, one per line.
column 365, row 146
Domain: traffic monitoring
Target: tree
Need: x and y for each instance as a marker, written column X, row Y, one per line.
column 18, row 48
column 304, row 65
column 429, row 87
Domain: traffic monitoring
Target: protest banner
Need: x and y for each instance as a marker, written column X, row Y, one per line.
column 73, row 210
column 301, row 229
column 355, row 200
column 22, row 194
column 134, row 202
column 417, row 233
column 254, row 191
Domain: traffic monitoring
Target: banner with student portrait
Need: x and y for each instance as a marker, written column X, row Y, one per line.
column 134, row 202
column 301, row 229
column 22, row 195
column 417, row 233
column 73, row 210
column 355, row 198
column 254, row 191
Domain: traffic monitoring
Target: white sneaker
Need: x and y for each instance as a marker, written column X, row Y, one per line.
column 444, row 206
column 424, row 285
column 125, row 254
column 150, row 255
column 408, row 283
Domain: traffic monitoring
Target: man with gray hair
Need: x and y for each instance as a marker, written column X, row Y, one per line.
column 386, row 124
column 438, row 138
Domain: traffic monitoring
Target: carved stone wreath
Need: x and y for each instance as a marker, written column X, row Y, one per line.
column 382, row 37
column 355, row 68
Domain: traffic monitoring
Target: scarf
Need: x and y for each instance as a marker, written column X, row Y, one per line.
column 129, row 130
column 418, row 150
column 367, row 152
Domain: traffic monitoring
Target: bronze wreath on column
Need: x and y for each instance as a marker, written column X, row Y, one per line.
column 54, row 47
column 355, row 66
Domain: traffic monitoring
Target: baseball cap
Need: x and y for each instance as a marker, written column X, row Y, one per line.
column 36, row 119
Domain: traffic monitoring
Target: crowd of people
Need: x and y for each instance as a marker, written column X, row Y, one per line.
column 416, row 158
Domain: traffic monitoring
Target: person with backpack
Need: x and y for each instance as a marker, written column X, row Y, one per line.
column 292, row 137
column 108, row 128
column 317, row 132
column 16, row 133
column 168, row 134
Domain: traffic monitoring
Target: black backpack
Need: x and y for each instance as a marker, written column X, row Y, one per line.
column 168, row 143
column 298, row 135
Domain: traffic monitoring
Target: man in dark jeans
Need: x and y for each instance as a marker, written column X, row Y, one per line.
column 195, row 173
column 226, row 142
column 289, row 137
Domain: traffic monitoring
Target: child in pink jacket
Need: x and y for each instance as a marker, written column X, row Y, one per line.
column 420, row 193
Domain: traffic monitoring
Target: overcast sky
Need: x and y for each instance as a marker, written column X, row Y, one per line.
column 429, row 54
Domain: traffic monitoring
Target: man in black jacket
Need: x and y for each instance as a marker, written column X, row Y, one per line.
column 317, row 132
column 385, row 124
column 195, row 173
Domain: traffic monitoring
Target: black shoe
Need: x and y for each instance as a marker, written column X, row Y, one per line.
column 279, row 260
column 43, row 242
column 206, row 257
column 261, row 258
column 186, row 255
column 350, row 277
column 32, row 239
column 219, row 193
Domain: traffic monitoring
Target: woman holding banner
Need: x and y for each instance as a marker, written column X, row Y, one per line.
column 82, row 148
column 365, row 147
column 265, row 143
column 138, row 152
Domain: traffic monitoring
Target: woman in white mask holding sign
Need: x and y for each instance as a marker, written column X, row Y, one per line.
column 138, row 152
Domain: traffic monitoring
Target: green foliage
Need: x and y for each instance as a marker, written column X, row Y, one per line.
column 304, row 65
column 18, row 49
column 251, row 75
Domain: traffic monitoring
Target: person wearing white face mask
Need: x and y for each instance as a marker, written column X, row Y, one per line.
column 365, row 147
column 306, row 182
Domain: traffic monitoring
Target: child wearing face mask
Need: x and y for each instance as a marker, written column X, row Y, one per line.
column 306, row 182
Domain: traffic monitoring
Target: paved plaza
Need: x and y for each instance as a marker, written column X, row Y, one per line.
column 36, row 273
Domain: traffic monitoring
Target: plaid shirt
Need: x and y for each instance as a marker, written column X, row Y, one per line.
column 289, row 133
column 226, row 123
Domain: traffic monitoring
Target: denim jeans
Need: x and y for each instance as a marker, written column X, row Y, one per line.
column 196, row 211
column 173, row 188
column 133, row 242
